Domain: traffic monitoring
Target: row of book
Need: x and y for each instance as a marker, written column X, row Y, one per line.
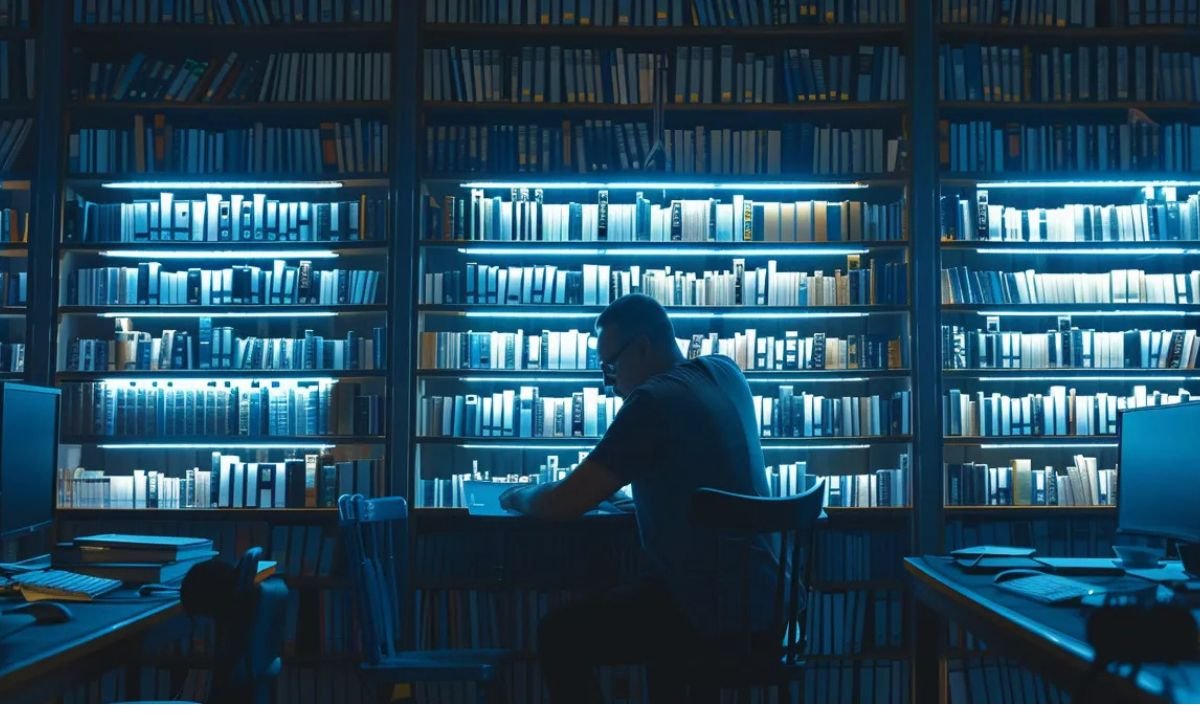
column 353, row 146
column 1057, row 536
column 15, row 14
column 14, row 226
column 792, row 414
column 221, row 348
column 1078, row 13
column 525, row 216
column 18, row 69
column 521, row 412
column 220, row 409
column 708, row 75
column 604, row 145
column 14, row 288
column 887, row 487
column 995, row 679
column 1159, row 220
column 273, row 78
column 874, row 555
column 601, row 284
column 236, row 218
column 12, row 357
column 853, row 622
column 1061, row 412
column 13, row 134
column 982, row 146
column 1029, row 287
column 1069, row 348
column 312, row 481
column 1078, row 74
column 576, row 350
column 666, row 13
column 1019, row 483
column 283, row 284
column 230, row 12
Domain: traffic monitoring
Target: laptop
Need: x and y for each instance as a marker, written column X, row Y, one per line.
column 482, row 499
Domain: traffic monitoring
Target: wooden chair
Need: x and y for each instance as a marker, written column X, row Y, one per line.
column 741, row 659
column 375, row 533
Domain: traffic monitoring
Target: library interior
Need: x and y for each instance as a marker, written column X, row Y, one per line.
column 582, row 351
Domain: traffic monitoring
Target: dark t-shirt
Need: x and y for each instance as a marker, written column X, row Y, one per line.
column 684, row 429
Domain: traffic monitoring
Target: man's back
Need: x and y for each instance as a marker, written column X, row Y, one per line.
column 691, row 427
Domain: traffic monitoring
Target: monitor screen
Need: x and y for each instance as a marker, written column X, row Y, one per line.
column 1158, row 490
column 28, row 456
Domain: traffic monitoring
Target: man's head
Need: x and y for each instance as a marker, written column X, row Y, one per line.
column 636, row 341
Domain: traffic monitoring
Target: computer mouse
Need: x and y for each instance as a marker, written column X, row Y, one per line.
column 45, row 612
column 1015, row 573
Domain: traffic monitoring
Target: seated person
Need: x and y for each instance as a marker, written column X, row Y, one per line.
column 685, row 424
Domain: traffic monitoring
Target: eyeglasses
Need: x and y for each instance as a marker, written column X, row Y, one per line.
column 609, row 368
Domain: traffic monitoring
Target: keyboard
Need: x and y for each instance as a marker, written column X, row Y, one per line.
column 1049, row 589
column 62, row 585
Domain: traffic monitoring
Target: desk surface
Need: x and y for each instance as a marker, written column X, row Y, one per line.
column 1022, row 627
column 94, row 626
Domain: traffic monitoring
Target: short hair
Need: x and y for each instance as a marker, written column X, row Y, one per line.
column 637, row 314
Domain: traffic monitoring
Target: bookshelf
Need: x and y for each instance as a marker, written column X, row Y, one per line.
column 19, row 57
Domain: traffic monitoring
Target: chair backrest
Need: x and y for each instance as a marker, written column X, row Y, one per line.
column 790, row 523
column 375, row 534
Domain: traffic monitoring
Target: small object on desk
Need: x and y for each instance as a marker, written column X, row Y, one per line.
column 986, row 565
column 1044, row 588
column 62, row 585
column 1082, row 566
column 45, row 612
column 1134, row 557
column 976, row 551
column 1171, row 571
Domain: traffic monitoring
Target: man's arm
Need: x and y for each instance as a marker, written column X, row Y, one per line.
column 579, row 492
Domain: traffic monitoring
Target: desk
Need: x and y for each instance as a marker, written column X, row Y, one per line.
column 109, row 627
column 1050, row 640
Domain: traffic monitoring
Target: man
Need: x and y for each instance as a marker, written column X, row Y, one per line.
column 685, row 424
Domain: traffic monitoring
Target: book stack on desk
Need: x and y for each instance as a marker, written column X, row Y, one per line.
column 133, row 559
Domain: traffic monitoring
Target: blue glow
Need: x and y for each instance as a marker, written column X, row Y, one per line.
column 815, row 447
column 206, row 382
column 215, row 444
column 1033, row 248
column 529, row 446
column 665, row 250
column 1081, row 184
column 533, row 377
column 220, row 254
column 222, row 185
column 1091, row 378
column 1042, row 445
column 651, row 183
column 1086, row 313
column 804, row 378
column 279, row 314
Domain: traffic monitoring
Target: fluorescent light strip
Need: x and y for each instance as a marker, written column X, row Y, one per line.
column 205, row 382
column 1087, row 313
column 1042, row 446
column 651, row 184
column 802, row 379
column 666, row 251
column 220, row 254
column 592, row 380
column 534, row 446
column 1087, row 251
column 1073, row 184
column 281, row 314
column 1092, row 378
column 815, row 447
column 209, row 446
column 222, row 185
column 682, row 315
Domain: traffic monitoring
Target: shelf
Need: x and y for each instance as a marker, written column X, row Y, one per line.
column 92, row 107
column 676, row 311
column 1009, row 510
column 1080, row 176
column 1081, row 247
column 594, row 374
column 132, row 34
column 365, row 180
column 262, row 375
column 14, row 249
column 1032, row 441
column 309, row 515
column 647, row 249
column 1096, row 309
column 1076, row 374
column 533, row 179
column 1028, row 33
column 232, row 247
column 561, row 33
column 569, row 442
column 250, row 442
column 265, row 311
column 1084, row 106
column 708, row 109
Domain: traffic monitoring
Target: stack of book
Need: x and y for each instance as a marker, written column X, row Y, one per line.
column 133, row 559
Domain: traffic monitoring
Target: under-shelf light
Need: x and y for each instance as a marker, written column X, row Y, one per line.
column 665, row 250
column 184, row 383
column 1033, row 248
column 528, row 446
column 214, row 254
column 816, row 447
column 540, row 379
column 216, row 443
column 1086, row 313
column 222, row 185
column 1091, row 378
column 282, row 314
column 803, row 379
column 652, row 184
column 1040, row 445
column 681, row 315
column 1085, row 184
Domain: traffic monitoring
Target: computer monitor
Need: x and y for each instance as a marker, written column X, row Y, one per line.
column 1158, row 489
column 29, row 420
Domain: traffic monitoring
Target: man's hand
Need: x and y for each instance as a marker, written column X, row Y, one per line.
column 510, row 499
column 581, row 491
